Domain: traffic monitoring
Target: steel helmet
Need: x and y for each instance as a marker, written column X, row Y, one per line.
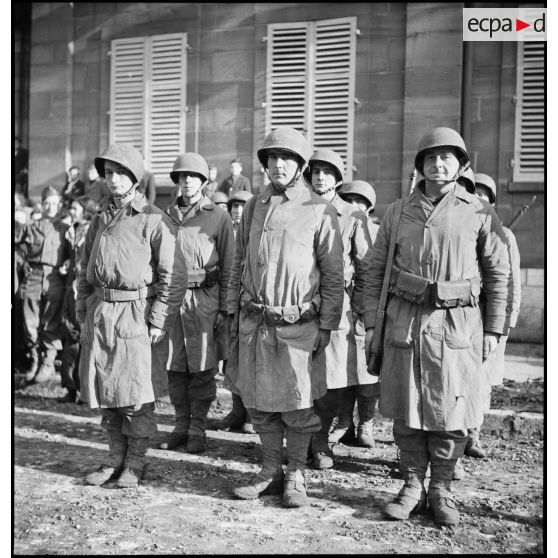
column 49, row 191
column 288, row 139
column 359, row 188
column 190, row 162
column 467, row 179
column 219, row 197
column 482, row 179
column 325, row 156
column 241, row 196
column 124, row 154
column 441, row 137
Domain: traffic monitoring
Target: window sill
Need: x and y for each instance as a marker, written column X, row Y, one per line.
column 525, row 186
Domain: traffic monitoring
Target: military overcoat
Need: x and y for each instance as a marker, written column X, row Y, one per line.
column 126, row 249
column 432, row 378
column 293, row 260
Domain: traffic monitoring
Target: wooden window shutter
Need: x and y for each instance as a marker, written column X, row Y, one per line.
column 310, row 82
column 529, row 158
column 148, row 98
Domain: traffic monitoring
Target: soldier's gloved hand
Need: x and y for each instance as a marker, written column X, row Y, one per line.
column 368, row 342
column 155, row 334
column 322, row 340
column 489, row 344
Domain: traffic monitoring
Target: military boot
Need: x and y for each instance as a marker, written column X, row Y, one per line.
column 118, row 446
column 31, row 372
column 294, row 490
column 248, row 427
column 412, row 496
column 46, row 370
column 473, row 447
column 196, row 432
column 236, row 418
column 366, row 407
column 459, row 471
column 134, row 463
column 322, row 456
column 269, row 480
column 70, row 397
column 440, row 498
column 344, row 430
column 178, row 393
column 365, row 435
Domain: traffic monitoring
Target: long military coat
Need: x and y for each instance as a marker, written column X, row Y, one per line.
column 204, row 239
column 494, row 365
column 126, row 249
column 293, row 257
column 432, row 377
column 344, row 358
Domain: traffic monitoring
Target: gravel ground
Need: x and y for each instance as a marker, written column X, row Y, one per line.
column 185, row 506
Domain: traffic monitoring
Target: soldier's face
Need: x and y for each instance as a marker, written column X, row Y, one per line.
column 118, row 178
column 51, row 206
column 282, row 167
column 190, row 184
column 357, row 200
column 440, row 165
column 236, row 211
column 324, row 177
column 482, row 193
column 76, row 211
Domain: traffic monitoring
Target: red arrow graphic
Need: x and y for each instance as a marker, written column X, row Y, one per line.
column 520, row 25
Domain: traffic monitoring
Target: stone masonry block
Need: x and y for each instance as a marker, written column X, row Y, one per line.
column 532, row 297
column 529, row 424
column 535, row 278
column 499, row 422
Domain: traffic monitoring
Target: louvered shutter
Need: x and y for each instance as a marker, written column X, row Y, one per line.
column 310, row 82
column 529, row 160
column 148, row 98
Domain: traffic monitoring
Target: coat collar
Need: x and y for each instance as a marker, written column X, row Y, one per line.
column 290, row 193
column 139, row 204
column 418, row 197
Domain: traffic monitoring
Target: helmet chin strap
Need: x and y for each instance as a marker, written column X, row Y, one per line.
column 127, row 193
column 462, row 169
column 295, row 178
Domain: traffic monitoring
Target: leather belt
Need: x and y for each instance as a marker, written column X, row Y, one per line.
column 116, row 295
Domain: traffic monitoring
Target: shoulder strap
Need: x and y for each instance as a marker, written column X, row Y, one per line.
column 389, row 262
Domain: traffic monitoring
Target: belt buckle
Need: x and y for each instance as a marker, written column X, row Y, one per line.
column 107, row 294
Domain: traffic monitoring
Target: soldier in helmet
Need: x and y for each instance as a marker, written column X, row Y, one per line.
column 367, row 392
column 236, row 205
column 130, row 287
column 344, row 359
column 486, row 190
column 435, row 335
column 220, row 200
column 205, row 241
column 45, row 248
column 286, row 291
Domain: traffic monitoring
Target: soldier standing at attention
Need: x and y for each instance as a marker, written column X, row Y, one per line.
column 205, row 241
column 130, row 286
column 44, row 245
column 286, row 289
column 435, row 335
column 343, row 361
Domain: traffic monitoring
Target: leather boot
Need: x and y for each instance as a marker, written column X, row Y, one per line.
column 322, row 456
column 70, row 397
column 248, row 427
column 269, row 480
column 118, row 445
column 473, row 447
column 134, row 463
column 365, row 430
column 31, row 372
column 412, row 496
column 344, row 431
column 459, row 471
column 440, row 498
column 294, row 491
column 196, row 432
column 236, row 418
column 178, row 393
column 46, row 370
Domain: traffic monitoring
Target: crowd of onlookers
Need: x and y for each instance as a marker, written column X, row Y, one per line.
column 48, row 239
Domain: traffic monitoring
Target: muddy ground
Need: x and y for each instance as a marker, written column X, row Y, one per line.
column 184, row 505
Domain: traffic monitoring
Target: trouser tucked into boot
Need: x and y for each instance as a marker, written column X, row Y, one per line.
column 367, row 396
column 473, row 447
column 178, row 395
column 235, row 419
column 326, row 408
column 46, row 370
column 202, row 390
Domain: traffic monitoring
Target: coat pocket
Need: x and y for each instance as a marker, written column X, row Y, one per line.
column 458, row 328
column 132, row 321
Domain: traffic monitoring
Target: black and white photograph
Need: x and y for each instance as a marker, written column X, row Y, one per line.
column 278, row 278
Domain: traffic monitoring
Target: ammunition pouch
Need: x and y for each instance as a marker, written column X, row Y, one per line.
column 409, row 286
column 450, row 294
column 280, row 315
column 203, row 278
